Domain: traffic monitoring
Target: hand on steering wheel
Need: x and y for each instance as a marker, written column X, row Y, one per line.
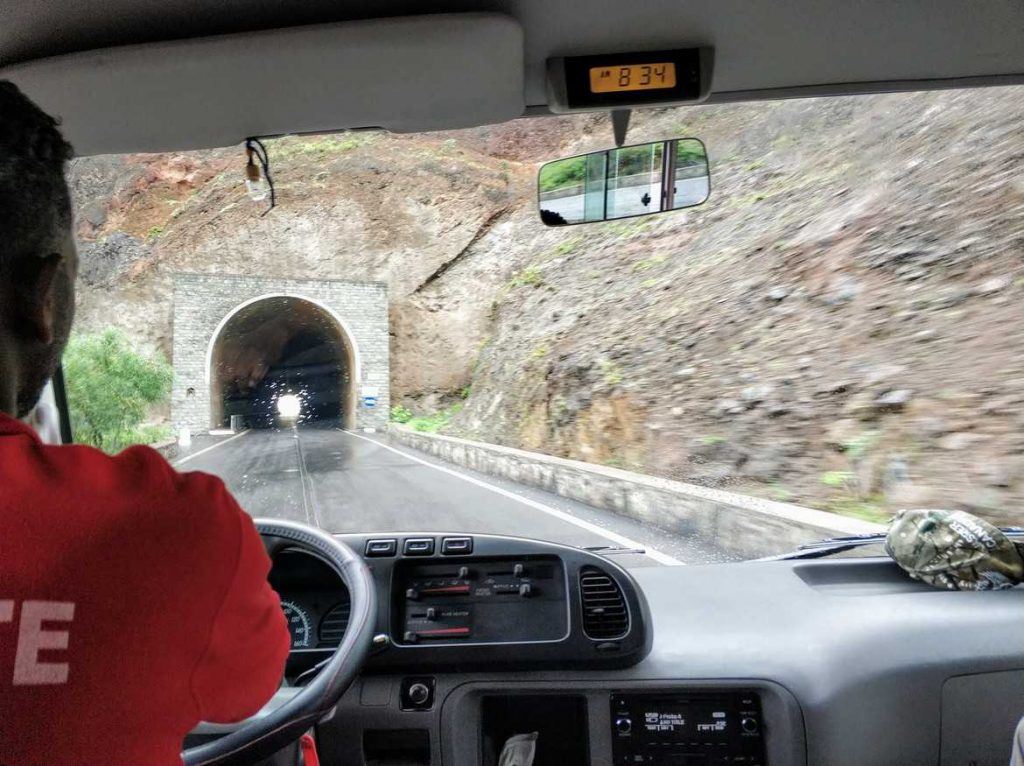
column 292, row 711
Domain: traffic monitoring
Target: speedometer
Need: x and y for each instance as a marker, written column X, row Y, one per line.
column 299, row 625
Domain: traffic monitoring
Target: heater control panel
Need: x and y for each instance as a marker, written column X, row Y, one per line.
column 481, row 601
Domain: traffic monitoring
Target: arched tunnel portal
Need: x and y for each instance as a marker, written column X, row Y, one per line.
column 277, row 348
column 241, row 343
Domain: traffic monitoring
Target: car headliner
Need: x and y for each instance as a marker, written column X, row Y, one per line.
column 762, row 49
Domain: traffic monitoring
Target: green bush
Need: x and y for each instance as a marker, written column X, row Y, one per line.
column 531, row 275
column 837, row 479
column 435, row 422
column 568, row 172
column 400, row 414
column 111, row 389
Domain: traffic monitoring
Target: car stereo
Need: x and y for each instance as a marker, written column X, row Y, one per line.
column 687, row 729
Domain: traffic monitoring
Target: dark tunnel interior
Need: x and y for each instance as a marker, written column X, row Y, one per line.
column 278, row 362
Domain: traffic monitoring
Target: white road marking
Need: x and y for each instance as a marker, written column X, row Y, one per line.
column 615, row 537
column 207, row 449
column 308, row 501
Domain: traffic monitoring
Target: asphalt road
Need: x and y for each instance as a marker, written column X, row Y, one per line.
column 352, row 482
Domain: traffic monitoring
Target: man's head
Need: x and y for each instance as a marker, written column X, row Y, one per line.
column 37, row 251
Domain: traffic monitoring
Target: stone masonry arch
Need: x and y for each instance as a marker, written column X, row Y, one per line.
column 352, row 315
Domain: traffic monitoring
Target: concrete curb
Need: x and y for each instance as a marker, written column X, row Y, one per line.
column 168, row 448
column 743, row 525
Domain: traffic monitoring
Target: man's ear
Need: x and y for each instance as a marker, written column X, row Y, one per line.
column 36, row 297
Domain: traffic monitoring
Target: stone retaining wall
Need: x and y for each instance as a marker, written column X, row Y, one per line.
column 746, row 526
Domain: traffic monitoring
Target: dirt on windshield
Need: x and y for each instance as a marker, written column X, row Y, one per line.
column 840, row 326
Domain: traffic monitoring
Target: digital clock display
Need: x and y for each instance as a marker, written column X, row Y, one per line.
column 628, row 77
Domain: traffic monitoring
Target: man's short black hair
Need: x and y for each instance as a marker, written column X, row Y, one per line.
column 35, row 207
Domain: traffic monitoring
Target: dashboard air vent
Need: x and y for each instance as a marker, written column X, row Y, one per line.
column 333, row 625
column 604, row 609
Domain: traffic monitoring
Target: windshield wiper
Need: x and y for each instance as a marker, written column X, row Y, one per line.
column 609, row 550
column 833, row 545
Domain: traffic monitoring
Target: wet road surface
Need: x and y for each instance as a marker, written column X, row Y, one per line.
column 343, row 481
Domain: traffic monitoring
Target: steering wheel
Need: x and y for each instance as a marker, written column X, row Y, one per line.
column 291, row 711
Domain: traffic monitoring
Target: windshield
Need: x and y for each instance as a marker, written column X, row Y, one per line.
column 838, row 328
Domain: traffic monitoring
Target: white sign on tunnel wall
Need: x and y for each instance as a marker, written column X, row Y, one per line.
column 369, row 394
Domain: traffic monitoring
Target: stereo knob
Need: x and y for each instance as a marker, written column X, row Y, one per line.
column 623, row 725
column 749, row 725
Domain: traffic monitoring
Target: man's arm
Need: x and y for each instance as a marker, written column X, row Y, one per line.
column 243, row 663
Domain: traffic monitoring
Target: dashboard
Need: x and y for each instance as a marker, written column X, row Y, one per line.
column 469, row 601
column 481, row 638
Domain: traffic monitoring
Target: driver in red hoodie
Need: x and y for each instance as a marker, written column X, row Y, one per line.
column 133, row 599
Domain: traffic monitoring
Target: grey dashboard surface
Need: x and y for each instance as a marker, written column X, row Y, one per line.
column 855, row 664
column 865, row 651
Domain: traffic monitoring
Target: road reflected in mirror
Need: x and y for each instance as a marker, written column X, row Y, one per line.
column 625, row 182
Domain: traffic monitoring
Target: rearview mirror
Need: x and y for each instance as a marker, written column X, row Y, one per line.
column 625, row 182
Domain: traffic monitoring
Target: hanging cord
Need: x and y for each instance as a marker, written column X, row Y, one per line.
column 256, row 148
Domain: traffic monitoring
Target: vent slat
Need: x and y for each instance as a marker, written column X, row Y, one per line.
column 334, row 624
column 604, row 608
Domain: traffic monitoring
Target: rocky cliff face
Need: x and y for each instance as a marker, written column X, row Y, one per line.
column 841, row 325
column 361, row 207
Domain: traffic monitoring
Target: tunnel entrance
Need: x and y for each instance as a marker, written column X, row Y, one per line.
column 280, row 360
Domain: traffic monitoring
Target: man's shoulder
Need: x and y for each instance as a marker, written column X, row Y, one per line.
column 142, row 478
column 137, row 467
column 139, row 460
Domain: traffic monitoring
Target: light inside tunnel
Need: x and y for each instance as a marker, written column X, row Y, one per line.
column 282, row 358
column 289, row 406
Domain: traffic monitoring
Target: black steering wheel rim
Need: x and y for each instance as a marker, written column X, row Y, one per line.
column 261, row 736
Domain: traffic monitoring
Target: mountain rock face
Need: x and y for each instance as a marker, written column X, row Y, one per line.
column 841, row 325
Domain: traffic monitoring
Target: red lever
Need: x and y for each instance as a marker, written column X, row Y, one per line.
column 447, row 589
column 307, row 746
column 443, row 632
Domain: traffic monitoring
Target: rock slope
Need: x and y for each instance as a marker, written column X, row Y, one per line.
column 841, row 325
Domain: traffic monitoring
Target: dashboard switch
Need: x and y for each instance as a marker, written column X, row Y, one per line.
column 456, row 546
column 417, row 693
column 518, row 570
column 525, row 590
column 378, row 548
column 419, row 546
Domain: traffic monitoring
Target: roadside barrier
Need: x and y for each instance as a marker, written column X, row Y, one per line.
column 740, row 524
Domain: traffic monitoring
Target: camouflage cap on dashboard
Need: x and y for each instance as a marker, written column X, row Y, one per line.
column 955, row 550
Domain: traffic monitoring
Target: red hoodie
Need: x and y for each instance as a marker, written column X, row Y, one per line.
column 133, row 604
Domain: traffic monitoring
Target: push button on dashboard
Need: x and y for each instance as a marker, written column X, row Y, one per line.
column 380, row 548
column 456, row 546
column 419, row 546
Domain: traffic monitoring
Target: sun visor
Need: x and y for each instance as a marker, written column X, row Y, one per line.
column 404, row 74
